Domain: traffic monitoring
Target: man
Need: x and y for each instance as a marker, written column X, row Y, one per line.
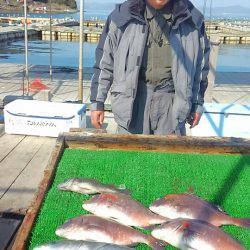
column 154, row 57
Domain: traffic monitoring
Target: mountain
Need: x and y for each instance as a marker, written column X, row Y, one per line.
column 216, row 11
column 236, row 9
column 69, row 3
column 33, row 5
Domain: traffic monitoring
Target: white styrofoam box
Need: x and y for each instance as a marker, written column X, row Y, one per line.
column 224, row 120
column 42, row 118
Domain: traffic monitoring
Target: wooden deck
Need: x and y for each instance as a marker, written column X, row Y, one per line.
column 23, row 160
column 22, row 163
column 229, row 87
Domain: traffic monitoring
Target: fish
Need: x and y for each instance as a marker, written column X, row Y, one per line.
column 90, row 186
column 94, row 228
column 123, row 209
column 189, row 206
column 191, row 234
column 80, row 245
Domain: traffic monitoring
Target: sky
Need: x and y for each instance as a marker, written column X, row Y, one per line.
column 216, row 3
column 220, row 3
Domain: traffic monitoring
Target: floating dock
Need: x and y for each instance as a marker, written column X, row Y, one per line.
column 13, row 33
column 65, row 22
column 71, row 35
column 61, row 30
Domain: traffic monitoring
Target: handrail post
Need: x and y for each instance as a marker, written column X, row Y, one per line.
column 80, row 69
column 26, row 47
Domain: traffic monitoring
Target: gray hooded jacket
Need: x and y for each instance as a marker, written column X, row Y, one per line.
column 119, row 57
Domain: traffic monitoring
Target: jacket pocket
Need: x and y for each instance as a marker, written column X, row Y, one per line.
column 118, row 88
column 121, row 87
column 121, row 102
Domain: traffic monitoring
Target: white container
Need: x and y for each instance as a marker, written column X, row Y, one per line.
column 224, row 120
column 42, row 118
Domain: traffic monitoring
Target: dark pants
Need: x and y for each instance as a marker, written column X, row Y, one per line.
column 152, row 112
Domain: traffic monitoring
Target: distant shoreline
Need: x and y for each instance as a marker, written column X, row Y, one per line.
column 20, row 11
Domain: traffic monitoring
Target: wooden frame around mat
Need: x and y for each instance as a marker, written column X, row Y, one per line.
column 100, row 141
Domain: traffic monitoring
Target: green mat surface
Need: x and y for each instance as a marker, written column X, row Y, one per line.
column 221, row 179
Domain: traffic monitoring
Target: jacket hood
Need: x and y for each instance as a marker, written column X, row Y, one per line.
column 134, row 9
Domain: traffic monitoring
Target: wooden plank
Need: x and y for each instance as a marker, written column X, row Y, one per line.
column 29, row 220
column 1, row 133
column 8, row 228
column 8, row 143
column 21, row 193
column 173, row 144
column 12, row 166
column 88, row 131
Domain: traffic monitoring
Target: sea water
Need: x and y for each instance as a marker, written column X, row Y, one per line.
column 231, row 58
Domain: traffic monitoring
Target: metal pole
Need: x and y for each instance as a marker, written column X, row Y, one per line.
column 204, row 7
column 50, row 43
column 211, row 6
column 26, row 47
column 80, row 69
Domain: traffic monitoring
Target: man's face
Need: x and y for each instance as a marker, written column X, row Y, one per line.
column 158, row 4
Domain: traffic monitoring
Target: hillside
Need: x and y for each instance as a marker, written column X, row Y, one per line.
column 236, row 9
column 38, row 5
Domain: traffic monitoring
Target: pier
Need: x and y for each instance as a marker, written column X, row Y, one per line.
column 71, row 34
column 229, row 33
column 62, row 29
column 93, row 32
column 228, row 87
column 32, row 20
column 13, row 33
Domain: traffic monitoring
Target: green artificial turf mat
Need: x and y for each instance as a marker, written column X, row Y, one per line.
column 222, row 179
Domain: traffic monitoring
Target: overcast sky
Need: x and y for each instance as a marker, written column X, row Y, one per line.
column 216, row 3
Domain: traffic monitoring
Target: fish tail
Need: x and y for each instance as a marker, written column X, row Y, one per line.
column 156, row 244
column 241, row 222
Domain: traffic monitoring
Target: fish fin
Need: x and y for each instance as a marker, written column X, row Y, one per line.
column 190, row 248
column 219, row 208
column 190, row 190
column 112, row 186
column 189, row 234
column 241, row 222
column 114, row 218
column 122, row 186
column 156, row 244
column 150, row 227
column 124, row 191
